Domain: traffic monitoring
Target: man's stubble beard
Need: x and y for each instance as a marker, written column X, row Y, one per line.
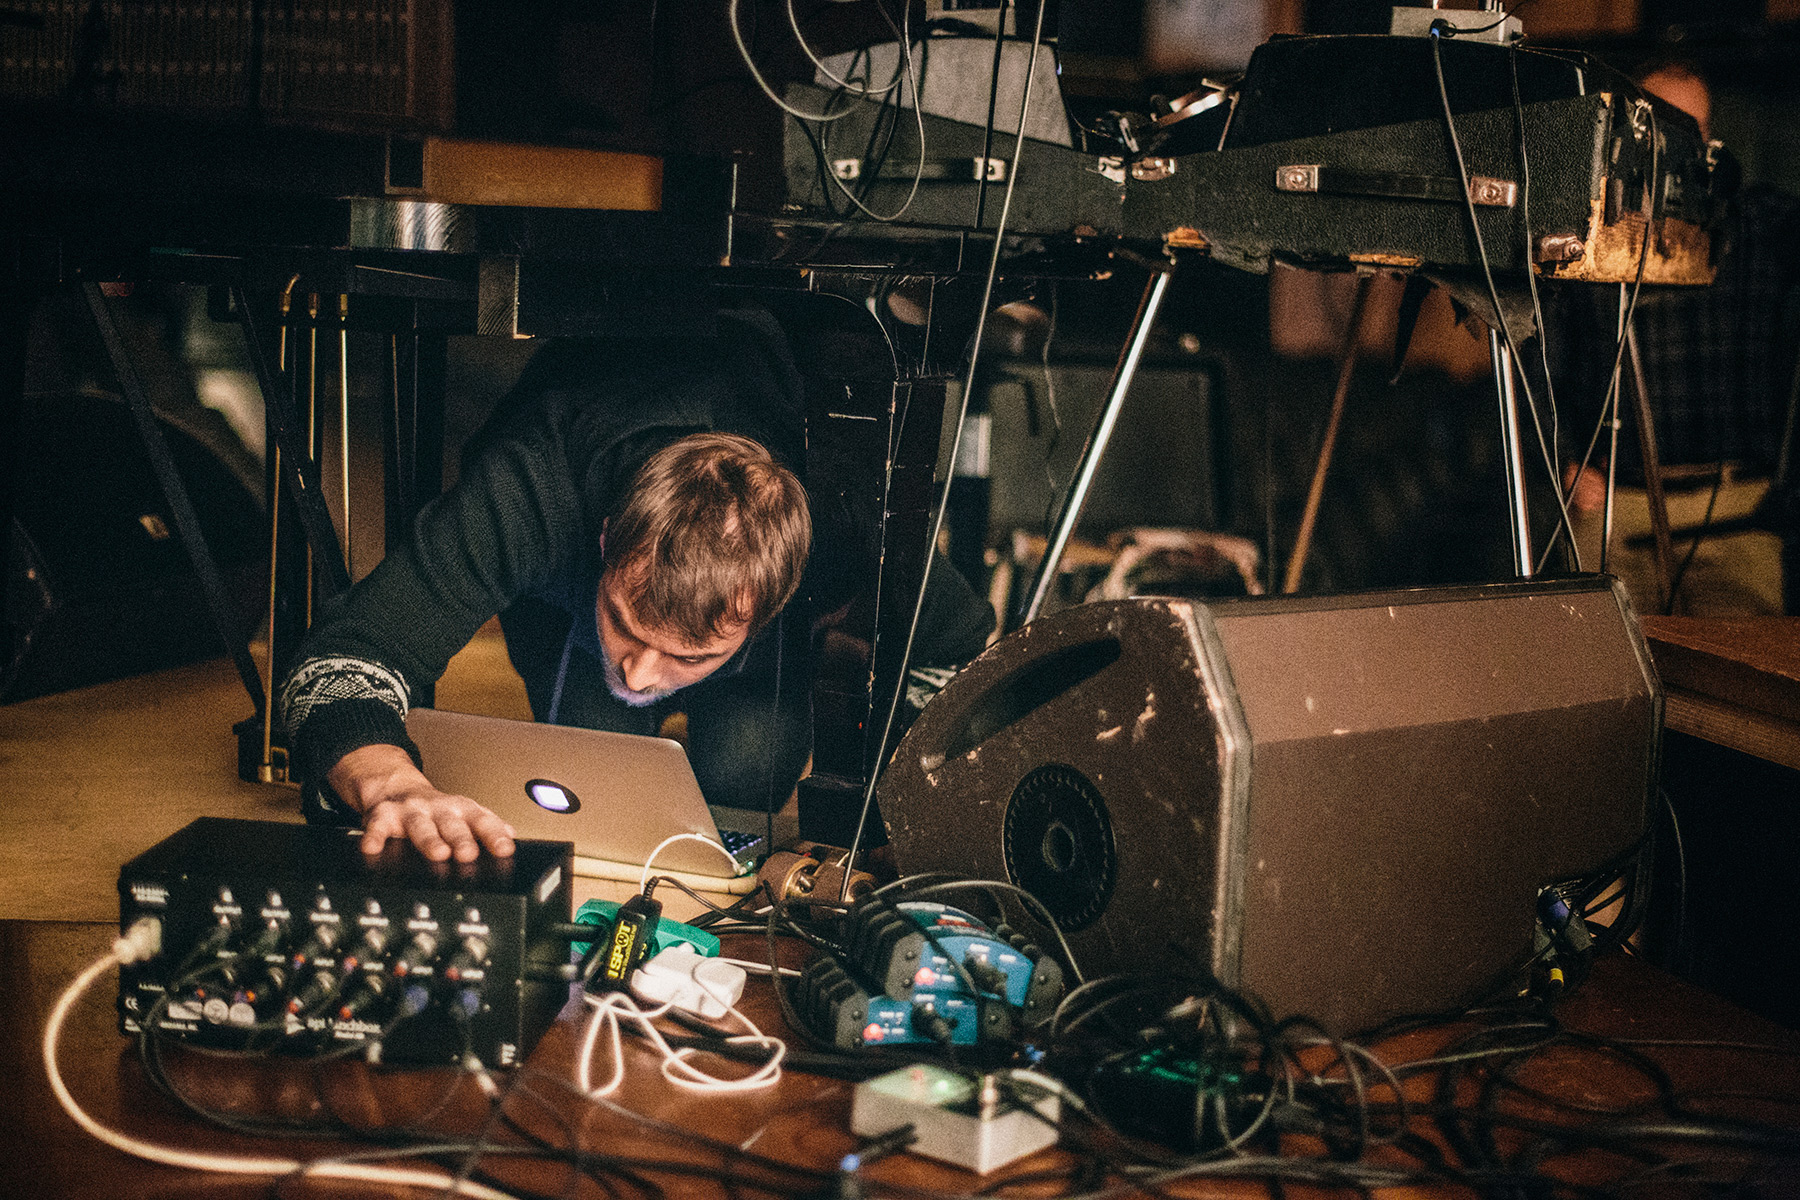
column 615, row 683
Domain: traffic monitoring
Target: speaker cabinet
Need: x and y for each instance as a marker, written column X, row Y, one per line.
column 1345, row 805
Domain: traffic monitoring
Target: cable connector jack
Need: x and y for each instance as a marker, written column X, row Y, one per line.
column 140, row 942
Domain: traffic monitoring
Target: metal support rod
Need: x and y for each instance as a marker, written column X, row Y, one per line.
column 399, row 455
column 1315, row 495
column 731, row 218
column 1612, row 481
column 1612, row 451
column 1652, row 460
column 1095, row 449
column 1510, row 449
column 265, row 768
column 299, row 473
column 312, row 430
column 897, row 697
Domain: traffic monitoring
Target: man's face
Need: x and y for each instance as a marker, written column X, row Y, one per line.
column 644, row 664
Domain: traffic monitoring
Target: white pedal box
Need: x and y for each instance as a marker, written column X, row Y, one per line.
column 980, row 1127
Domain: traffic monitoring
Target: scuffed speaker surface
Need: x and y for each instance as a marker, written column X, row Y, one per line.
column 1080, row 759
column 1424, row 762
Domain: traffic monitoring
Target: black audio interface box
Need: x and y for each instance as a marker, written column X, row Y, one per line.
column 288, row 939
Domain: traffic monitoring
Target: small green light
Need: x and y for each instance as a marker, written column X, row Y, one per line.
column 924, row 1084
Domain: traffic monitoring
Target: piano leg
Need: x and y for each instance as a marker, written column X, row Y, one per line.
column 413, row 435
column 219, row 603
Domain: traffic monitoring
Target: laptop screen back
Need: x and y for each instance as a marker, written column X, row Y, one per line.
column 615, row 795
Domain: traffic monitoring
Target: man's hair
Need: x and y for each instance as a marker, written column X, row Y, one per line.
column 713, row 531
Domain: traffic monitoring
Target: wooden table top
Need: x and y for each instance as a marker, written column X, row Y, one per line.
column 1735, row 682
column 803, row 1121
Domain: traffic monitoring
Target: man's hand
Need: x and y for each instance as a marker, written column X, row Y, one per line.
column 396, row 800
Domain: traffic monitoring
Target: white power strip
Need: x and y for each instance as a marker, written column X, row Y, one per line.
column 980, row 1126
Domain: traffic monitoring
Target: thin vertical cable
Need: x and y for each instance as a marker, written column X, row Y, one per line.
column 344, row 421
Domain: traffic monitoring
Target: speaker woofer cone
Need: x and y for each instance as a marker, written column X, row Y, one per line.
column 1059, row 844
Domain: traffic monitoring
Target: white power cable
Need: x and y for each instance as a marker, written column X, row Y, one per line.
column 743, row 49
column 134, row 946
column 613, row 1008
column 644, row 879
column 904, row 64
column 606, row 1017
column 865, row 90
column 918, row 107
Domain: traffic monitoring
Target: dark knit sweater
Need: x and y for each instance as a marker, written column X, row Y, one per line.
column 519, row 536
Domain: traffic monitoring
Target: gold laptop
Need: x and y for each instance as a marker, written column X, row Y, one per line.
column 617, row 796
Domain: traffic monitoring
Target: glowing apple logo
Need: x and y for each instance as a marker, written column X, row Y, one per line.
column 552, row 796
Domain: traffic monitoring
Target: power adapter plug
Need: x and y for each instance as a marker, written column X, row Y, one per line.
column 602, row 913
column 680, row 976
column 979, row 1126
column 610, row 963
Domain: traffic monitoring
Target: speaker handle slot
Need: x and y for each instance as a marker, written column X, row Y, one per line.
column 1025, row 691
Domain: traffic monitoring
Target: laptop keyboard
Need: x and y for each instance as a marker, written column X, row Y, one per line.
column 737, row 841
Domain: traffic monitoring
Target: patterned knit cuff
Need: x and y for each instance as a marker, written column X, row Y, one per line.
column 331, row 679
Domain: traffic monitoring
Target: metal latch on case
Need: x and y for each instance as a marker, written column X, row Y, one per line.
column 1484, row 190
